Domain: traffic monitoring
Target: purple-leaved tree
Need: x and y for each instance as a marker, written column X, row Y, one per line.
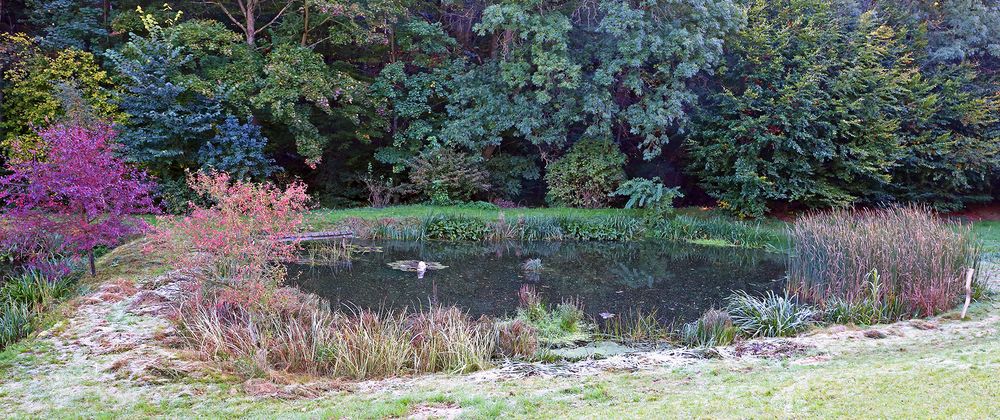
column 78, row 196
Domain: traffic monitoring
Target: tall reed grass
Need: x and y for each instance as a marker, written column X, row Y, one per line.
column 920, row 258
column 304, row 335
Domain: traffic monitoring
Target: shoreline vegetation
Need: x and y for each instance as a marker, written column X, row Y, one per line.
column 211, row 283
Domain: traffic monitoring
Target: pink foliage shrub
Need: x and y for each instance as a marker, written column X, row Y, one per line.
column 80, row 195
column 243, row 236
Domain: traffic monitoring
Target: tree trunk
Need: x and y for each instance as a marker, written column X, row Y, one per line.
column 93, row 268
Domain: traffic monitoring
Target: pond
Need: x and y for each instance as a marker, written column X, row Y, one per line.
column 677, row 280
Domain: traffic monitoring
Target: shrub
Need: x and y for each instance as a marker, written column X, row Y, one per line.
column 713, row 328
column 920, row 258
column 586, row 175
column 648, row 194
column 769, row 316
column 445, row 176
column 245, row 233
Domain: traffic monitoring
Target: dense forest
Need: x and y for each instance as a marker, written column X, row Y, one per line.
column 750, row 105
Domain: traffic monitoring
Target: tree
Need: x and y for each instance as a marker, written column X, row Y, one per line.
column 79, row 24
column 807, row 111
column 31, row 98
column 82, row 192
column 246, row 13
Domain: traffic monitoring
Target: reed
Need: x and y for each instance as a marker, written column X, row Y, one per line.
column 919, row 258
column 713, row 328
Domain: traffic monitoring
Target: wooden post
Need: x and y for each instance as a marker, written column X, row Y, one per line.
column 968, row 291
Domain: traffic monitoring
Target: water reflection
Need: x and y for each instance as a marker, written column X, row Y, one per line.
column 678, row 280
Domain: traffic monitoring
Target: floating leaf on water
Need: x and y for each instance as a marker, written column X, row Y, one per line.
column 365, row 249
column 411, row 265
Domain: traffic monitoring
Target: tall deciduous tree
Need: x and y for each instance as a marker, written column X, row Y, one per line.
column 251, row 16
column 81, row 192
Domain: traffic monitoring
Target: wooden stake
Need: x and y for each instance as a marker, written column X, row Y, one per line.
column 968, row 291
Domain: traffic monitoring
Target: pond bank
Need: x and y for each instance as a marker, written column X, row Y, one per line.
column 114, row 355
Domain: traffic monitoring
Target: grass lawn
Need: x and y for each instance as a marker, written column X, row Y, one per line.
column 945, row 374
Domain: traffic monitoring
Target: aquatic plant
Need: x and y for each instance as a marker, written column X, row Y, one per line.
column 560, row 325
column 771, row 315
column 606, row 228
column 635, row 326
column 877, row 307
column 297, row 332
column 713, row 328
column 920, row 258
column 447, row 340
column 730, row 232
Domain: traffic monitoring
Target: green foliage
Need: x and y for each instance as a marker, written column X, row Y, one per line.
column 607, row 228
column 736, row 233
column 68, row 23
column 31, row 95
column 15, row 322
column 806, row 112
column 586, row 175
column 769, row 316
column 556, row 326
column 446, row 176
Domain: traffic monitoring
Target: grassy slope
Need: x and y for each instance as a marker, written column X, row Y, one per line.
column 944, row 376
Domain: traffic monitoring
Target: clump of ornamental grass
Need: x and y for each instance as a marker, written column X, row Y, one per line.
column 713, row 328
column 517, row 339
column 23, row 296
column 920, row 258
column 557, row 325
column 771, row 315
column 636, row 326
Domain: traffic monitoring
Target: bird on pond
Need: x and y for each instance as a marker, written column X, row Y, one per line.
column 421, row 269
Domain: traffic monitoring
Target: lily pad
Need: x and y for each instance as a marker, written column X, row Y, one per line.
column 411, row 265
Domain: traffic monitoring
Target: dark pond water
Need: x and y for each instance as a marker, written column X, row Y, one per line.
column 679, row 281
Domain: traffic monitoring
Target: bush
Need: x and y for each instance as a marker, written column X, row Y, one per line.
column 713, row 328
column 586, row 175
column 768, row 316
column 919, row 257
column 648, row 194
column 446, row 176
column 244, row 235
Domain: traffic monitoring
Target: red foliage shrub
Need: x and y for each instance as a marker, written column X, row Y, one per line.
column 80, row 195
